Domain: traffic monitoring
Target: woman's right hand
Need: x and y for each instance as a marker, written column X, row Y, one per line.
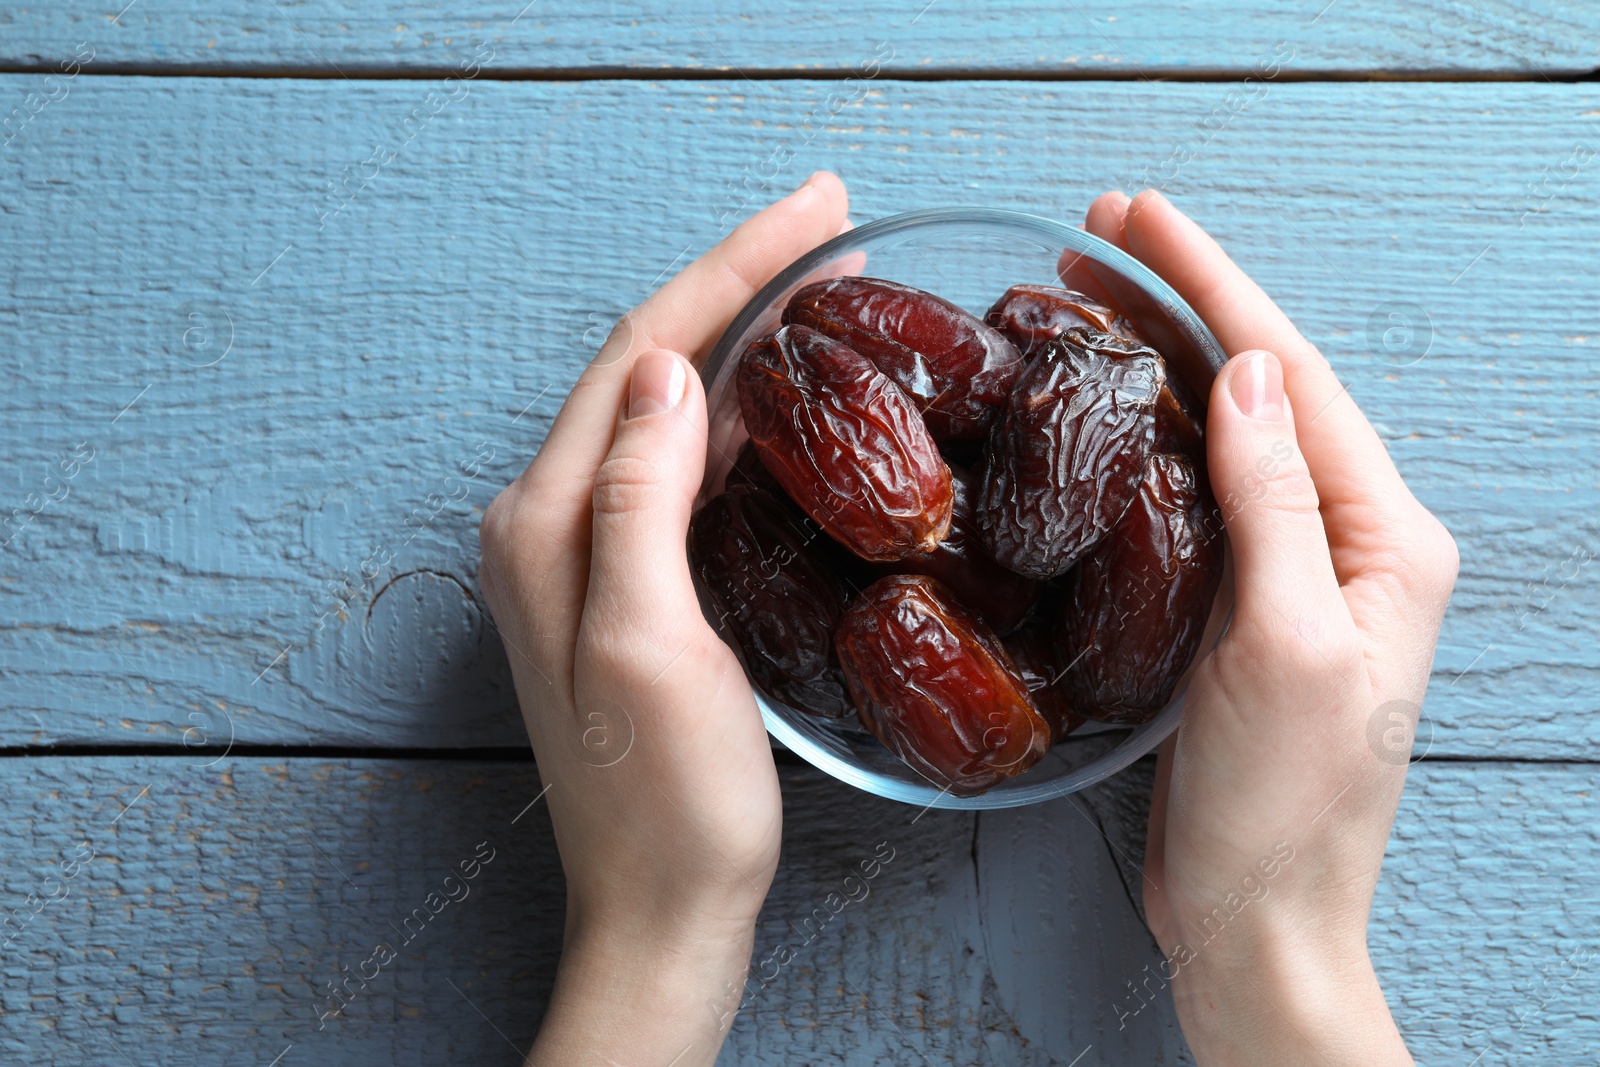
column 1273, row 803
column 662, row 790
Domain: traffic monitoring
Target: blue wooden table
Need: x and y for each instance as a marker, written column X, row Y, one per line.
column 271, row 273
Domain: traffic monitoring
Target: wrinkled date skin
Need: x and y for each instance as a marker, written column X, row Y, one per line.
column 1066, row 456
column 1038, row 653
column 748, row 469
column 1034, row 315
column 1139, row 602
column 846, row 444
column 958, row 369
column 777, row 595
column 1001, row 596
column 933, row 683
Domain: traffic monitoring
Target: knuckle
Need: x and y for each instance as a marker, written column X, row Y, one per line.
column 1280, row 486
column 1292, row 491
column 1443, row 556
column 619, row 344
column 625, row 485
column 515, row 532
column 621, row 333
column 497, row 543
column 496, row 531
column 511, row 523
column 1420, row 560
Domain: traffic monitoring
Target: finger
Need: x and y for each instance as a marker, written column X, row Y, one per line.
column 1396, row 562
column 1105, row 218
column 552, row 498
column 690, row 312
column 1353, row 471
column 639, row 590
column 686, row 315
column 1285, row 578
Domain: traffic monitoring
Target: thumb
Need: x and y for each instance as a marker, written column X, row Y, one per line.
column 1269, row 502
column 643, row 492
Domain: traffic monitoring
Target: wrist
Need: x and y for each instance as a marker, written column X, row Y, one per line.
column 1286, row 1000
column 645, row 988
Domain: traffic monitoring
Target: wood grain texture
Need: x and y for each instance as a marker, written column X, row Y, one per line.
column 219, row 904
column 1148, row 38
column 256, row 540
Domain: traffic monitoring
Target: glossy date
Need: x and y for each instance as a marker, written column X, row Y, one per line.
column 958, row 369
column 777, row 594
column 934, row 684
column 846, row 444
column 1138, row 604
column 1067, row 453
column 1034, row 315
column 1001, row 596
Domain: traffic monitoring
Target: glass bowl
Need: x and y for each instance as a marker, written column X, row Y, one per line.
column 968, row 256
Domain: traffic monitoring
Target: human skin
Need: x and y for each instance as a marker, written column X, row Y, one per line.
column 662, row 790
column 1341, row 581
column 661, row 785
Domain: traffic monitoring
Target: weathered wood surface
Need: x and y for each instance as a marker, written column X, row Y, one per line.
column 267, row 543
column 275, row 384
column 1149, row 38
column 220, row 903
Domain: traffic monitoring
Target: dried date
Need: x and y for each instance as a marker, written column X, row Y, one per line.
column 846, row 444
column 1037, row 652
column 1001, row 596
column 958, row 369
column 1034, row 315
column 1136, row 607
column 1066, row 455
column 747, row 469
column 777, row 594
column 1180, row 421
column 934, row 684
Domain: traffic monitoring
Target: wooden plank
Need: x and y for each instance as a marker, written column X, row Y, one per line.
column 209, row 559
column 1148, row 39
column 219, row 904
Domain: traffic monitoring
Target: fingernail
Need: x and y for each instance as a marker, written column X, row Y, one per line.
column 657, row 385
column 806, row 184
column 1257, row 385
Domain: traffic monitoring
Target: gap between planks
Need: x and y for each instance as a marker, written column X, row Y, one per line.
column 933, row 74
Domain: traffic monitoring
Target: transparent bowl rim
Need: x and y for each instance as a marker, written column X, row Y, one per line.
column 1144, row 738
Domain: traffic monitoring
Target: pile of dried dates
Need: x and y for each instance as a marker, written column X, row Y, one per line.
column 971, row 536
